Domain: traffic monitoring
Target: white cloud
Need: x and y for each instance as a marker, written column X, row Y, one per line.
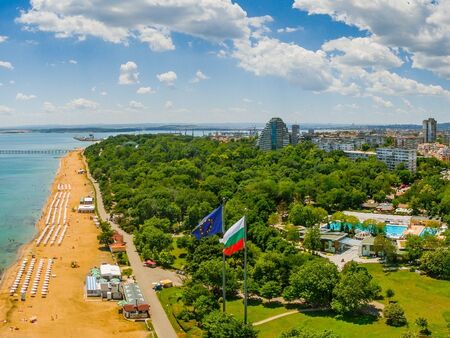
column 7, row 65
column 247, row 100
column 168, row 105
column 380, row 102
column 103, row 93
column 310, row 70
column 199, row 76
column 49, row 107
column 135, row 105
column 128, row 73
column 145, row 90
column 408, row 104
column 158, row 40
column 82, row 104
column 149, row 21
column 24, row 97
column 420, row 27
column 3, row 38
column 363, row 52
column 167, row 78
column 289, row 29
column 73, row 62
column 346, row 106
column 5, row 110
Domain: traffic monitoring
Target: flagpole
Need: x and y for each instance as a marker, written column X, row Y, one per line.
column 245, row 271
column 223, row 259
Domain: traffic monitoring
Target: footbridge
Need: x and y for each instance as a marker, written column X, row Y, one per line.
column 33, row 151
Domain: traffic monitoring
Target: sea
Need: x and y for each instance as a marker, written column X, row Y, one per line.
column 25, row 182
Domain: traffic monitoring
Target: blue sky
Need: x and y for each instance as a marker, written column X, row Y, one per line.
column 165, row 61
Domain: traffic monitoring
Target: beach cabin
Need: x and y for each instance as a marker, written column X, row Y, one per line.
column 92, row 287
column 87, row 200
column 136, row 307
column 86, row 208
column 109, row 272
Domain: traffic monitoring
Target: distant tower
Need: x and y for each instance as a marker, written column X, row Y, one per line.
column 429, row 129
column 274, row 136
column 295, row 135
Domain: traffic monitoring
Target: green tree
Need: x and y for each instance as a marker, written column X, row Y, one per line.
column 204, row 305
column 270, row 290
column 312, row 239
column 436, row 263
column 105, row 236
column 414, row 247
column 394, row 314
column 210, row 274
column 313, row 282
column 354, row 289
column 423, row 324
column 306, row 215
column 384, row 247
column 222, row 325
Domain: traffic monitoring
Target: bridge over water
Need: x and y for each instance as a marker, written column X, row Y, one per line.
column 33, row 151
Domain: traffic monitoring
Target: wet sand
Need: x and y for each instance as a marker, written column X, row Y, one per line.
column 64, row 312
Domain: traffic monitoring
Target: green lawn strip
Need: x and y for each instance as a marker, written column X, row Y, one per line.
column 180, row 262
column 167, row 297
column 366, row 327
column 419, row 296
column 256, row 310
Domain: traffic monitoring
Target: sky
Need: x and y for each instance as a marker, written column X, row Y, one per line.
column 221, row 61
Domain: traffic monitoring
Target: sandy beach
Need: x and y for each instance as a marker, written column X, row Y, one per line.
column 64, row 311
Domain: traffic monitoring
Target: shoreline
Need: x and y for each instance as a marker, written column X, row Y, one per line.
column 64, row 301
column 23, row 248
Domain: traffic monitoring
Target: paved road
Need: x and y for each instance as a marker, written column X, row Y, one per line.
column 145, row 276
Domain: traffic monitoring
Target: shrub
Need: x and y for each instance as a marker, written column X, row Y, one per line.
column 394, row 314
column 390, row 293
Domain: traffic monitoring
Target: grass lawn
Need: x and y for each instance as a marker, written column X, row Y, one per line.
column 419, row 296
column 256, row 311
column 177, row 252
column 167, row 297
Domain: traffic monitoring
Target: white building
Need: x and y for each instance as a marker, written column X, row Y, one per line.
column 356, row 154
column 395, row 156
column 109, row 271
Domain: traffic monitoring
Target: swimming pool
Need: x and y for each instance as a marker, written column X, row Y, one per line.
column 395, row 231
column 392, row 230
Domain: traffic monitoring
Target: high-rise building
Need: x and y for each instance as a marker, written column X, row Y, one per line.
column 295, row 134
column 395, row 156
column 446, row 138
column 429, row 129
column 275, row 135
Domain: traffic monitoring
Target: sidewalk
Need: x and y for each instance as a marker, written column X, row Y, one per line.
column 144, row 275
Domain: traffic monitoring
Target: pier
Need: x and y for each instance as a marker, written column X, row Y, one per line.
column 33, row 151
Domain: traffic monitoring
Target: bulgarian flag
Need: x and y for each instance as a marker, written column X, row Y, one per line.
column 234, row 238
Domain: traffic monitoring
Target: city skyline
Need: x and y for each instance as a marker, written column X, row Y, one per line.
column 221, row 61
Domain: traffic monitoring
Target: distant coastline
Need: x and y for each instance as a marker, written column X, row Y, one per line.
column 127, row 128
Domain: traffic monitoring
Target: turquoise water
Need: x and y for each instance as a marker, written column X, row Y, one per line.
column 395, row 231
column 25, row 182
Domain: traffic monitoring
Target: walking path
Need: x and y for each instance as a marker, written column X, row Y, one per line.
column 144, row 275
column 287, row 314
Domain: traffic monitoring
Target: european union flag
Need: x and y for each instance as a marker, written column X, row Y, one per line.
column 210, row 225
